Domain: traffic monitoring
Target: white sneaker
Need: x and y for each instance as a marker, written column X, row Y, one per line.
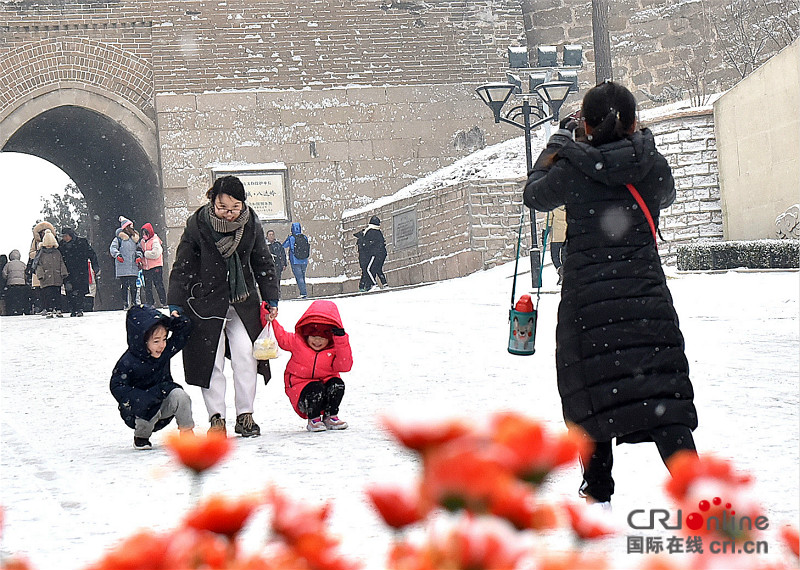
column 333, row 422
column 316, row 424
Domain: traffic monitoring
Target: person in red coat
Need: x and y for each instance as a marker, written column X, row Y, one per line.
column 320, row 353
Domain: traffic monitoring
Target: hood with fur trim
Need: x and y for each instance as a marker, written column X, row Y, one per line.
column 40, row 227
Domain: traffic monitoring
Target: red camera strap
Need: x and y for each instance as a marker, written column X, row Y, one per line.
column 639, row 200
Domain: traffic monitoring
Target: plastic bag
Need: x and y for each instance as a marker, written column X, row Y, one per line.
column 265, row 346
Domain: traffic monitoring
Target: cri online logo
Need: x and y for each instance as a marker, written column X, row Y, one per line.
column 725, row 521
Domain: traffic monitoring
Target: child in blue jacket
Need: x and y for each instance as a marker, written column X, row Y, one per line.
column 141, row 381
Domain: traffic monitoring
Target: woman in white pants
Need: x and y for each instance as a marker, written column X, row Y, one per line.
column 223, row 270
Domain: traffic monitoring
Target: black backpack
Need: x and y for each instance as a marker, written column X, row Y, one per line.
column 301, row 247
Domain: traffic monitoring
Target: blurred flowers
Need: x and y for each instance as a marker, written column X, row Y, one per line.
column 199, row 452
column 223, row 516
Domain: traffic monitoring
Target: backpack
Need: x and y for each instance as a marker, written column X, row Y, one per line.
column 301, row 247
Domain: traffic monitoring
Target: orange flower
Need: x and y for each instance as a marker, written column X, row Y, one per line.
column 534, row 453
column 687, row 467
column 422, row 437
column 320, row 551
column 292, row 520
column 16, row 564
column 397, row 507
column 584, row 524
column 199, row 453
column 480, row 543
column 192, row 548
column 792, row 539
column 514, row 502
column 221, row 515
column 405, row 556
column 463, row 477
column 142, row 551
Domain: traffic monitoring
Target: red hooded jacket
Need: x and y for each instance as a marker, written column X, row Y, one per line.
column 307, row 365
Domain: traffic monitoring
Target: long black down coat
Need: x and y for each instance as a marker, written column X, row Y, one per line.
column 619, row 351
column 140, row 382
column 198, row 283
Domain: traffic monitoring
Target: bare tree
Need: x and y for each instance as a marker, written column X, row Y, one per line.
column 748, row 32
column 66, row 209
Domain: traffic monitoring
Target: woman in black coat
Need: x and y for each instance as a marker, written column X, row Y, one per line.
column 622, row 371
column 221, row 265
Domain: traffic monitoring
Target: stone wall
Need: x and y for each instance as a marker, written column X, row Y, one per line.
column 473, row 225
column 342, row 148
column 461, row 229
column 687, row 140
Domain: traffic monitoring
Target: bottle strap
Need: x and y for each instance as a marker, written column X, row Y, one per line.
column 639, row 200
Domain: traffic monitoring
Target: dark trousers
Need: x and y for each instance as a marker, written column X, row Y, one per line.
column 597, row 481
column 18, row 300
column 154, row 277
column 557, row 253
column 371, row 272
column 319, row 398
column 51, row 298
column 128, row 290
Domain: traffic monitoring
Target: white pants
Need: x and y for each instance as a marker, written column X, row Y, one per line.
column 243, row 364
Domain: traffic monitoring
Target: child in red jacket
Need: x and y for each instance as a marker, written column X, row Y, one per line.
column 320, row 352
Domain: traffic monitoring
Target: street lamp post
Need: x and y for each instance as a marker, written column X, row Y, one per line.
column 553, row 94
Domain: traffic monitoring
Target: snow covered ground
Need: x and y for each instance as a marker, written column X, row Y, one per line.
column 71, row 484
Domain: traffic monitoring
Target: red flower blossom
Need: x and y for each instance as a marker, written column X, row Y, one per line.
column 534, row 452
column 221, row 515
column 792, row 539
column 192, row 548
column 421, row 437
column 142, row 551
column 292, row 520
column 398, row 507
column 199, row 453
column 405, row 556
column 687, row 468
column 479, row 543
column 514, row 502
column 585, row 524
column 464, row 477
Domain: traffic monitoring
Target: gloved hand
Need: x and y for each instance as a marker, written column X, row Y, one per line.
column 140, row 263
column 175, row 310
column 568, row 124
column 120, row 259
column 337, row 331
column 264, row 313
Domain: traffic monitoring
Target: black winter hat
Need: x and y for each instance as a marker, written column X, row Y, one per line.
column 68, row 232
column 375, row 221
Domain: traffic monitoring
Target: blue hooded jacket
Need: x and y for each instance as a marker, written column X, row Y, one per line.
column 139, row 381
column 289, row 242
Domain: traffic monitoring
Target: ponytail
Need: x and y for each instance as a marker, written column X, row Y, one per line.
column 610, row 110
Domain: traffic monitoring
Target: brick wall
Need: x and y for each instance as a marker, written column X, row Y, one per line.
column 688, row 142
column 461, row 229
column 473, row 225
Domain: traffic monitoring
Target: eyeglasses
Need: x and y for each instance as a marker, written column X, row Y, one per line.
column 220, row 210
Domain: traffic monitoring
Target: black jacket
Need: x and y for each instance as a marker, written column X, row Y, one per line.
column 370, row 244
column 76, row 253
column 278, row 255
column 140, row 382
column 198, row 283
column 619, row 351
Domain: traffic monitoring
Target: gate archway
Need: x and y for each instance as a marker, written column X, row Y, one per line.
column 108, row 148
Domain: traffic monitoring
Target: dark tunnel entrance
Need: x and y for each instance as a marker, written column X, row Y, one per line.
column 109, row 167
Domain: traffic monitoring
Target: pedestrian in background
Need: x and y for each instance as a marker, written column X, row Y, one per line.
column 17, row 290
column 622, row 371
column 371, row 255
column 124, row 250
column 221, row 265
column 51, row 272
column 151, row 262
column 278, row 253
column 77, row 254
column 558, row 235
column 299, row 252
column 33, row 281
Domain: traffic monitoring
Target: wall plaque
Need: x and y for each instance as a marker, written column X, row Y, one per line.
column 404, row 228
column 266, row 187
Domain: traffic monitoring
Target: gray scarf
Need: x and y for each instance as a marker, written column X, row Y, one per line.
column 226, row 245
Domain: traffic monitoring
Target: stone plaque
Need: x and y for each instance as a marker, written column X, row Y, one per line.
column 266, row 188
column 404, row 229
